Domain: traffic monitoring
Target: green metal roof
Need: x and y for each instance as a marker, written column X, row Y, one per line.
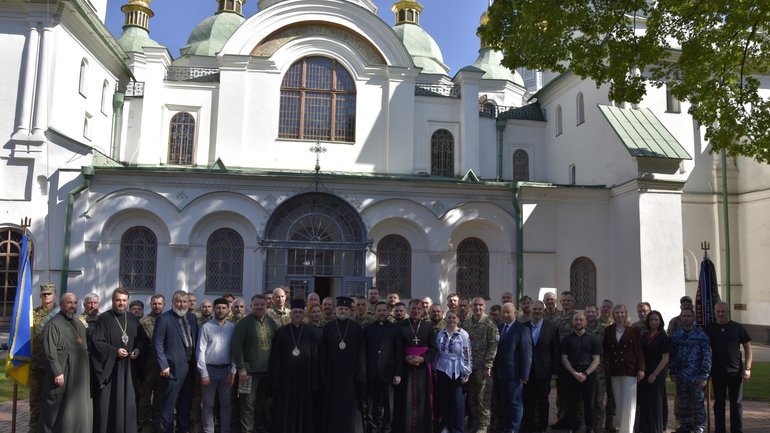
column 643, row 134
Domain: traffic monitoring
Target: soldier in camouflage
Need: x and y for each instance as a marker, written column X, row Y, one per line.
column 483, row 335
column 205, row 313
column 90, row 313
column 279, row 313
column 237, row 310
column 40, row 316
column 148, row 410
column 436, row 315
column 596, row 327
column 690, row 367
column 551, row 312
column 361, row 316
column 564, row 325
column 642, row 309
column 605, row 319
column 374, row 297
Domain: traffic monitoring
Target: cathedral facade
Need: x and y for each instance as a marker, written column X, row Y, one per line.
column 316, row 146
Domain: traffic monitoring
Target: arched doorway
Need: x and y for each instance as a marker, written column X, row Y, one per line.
column 316, row 242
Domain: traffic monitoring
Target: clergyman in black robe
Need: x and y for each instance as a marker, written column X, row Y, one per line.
column 117, row 341
column 293, row 374
column 343, row 364
column 413, row 412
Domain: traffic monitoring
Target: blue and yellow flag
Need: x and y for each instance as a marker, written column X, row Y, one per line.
column 20, row 341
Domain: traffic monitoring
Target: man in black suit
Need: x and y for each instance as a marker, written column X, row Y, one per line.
column 511, row 368
column 384, row 364
column 545, row 361
column 174, row 339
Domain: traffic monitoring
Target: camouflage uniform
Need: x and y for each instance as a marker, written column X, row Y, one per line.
column 363, row 320
column 201, row 319
column 609, row 407
column 601, row 378
column 37, row 363
column 483, row 335
column 552, row 315
column 280, row 318
column 149, row 388
column 564, row 325
column 691, row 363
column 641, row 324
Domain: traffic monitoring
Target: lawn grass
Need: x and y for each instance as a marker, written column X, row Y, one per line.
column 6, row 386
column 756, row 389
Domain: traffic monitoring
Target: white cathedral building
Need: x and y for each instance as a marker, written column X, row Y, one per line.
column 315, row 145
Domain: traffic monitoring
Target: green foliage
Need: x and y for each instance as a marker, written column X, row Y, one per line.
column 713, row 53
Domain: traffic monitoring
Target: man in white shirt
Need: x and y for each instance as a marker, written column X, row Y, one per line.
column 216, row 367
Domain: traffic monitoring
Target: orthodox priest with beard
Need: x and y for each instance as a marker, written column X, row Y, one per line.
column 343, row 368
column 413, row 407
column 117, row 341
column 293, row 374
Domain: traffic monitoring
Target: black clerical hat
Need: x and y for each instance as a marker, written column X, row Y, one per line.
column 221, row 301
column 344, row 301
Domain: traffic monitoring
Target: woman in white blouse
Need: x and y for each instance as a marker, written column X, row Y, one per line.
column 453, row 366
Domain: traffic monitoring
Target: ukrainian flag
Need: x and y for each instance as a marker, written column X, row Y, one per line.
column 20, row 341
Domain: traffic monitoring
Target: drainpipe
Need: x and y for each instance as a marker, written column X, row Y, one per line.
column 500, row 126
column 519, row 216
column 88, row 173
column 117, row 123
column 726, row 216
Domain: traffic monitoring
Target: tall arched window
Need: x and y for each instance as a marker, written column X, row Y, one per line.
column 394, row 266
column 473, row 268
column 558, row 120
column 82, row 83
column 318, row 101
column 10, row 260
column 224, row 262
column 105, row 96
column 138, row 259
column 181, row 138
column 520, row 165
column 582, row 282
column 442, row 148
column 581, row 113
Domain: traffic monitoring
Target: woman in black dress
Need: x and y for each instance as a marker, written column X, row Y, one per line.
column 652, row 390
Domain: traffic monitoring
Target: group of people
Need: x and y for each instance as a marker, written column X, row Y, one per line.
column 365, row 364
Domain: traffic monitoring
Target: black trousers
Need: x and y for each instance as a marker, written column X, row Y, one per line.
column 379, row 407
column 451, row 402
column 580, row 391
column 536, row 404
column 728, row 385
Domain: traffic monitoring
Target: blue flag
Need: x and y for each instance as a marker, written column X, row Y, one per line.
column 20, row 341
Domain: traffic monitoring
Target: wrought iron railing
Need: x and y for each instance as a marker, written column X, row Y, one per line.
column 183, row 73
column 134, row 89
column 445, row 90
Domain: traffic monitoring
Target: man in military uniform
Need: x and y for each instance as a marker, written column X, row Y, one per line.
column 90, row 311
column 596, row 327
column 192, row 304
column 675, row 324
column 483, row 334
column 374, row 297
column 605, row 319
column 690, row 367
column 551, row 312
column 436, row 315
column 362, row 316
column 149, row 388
column 279, row 313
column 642, row 309
column 205, row 313
column 525, row 303
column 40, row 316
column 564, row 324
column 327, row 306
column 464, row 310
column 136, row 307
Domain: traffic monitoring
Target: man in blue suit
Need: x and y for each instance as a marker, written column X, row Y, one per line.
column 511, row 368
column 174, row 339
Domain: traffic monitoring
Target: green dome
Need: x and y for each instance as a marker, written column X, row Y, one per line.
column 425, row 52
column 134, row 39
column 208, row 37
column 490, row 61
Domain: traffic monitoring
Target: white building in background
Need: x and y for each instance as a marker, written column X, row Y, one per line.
column 315, row 145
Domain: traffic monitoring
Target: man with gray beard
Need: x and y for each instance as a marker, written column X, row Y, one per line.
column 66, row 402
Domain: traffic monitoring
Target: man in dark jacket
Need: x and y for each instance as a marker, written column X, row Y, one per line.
column 511, row 368
column 545, row 361
column 384, row 355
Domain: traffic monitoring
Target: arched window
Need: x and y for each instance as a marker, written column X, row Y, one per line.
column 105, row 96
column 558, row 120
column 181, row 137
column 82, row 84
column 442, row 148
column 520, row 165
column 473, row 268
column 224, row 262
column 318, row 101
column 581, row 113
column 10, row 261
column 394, row 266
column 582, row 282
column 138, row 259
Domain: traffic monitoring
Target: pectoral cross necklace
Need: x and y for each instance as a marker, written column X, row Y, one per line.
column 416, row 339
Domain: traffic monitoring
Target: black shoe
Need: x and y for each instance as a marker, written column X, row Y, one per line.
column 560, row 425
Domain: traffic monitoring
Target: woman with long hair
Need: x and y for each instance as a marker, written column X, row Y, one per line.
column 652, row 390
column 453, row 366
column 625, row 358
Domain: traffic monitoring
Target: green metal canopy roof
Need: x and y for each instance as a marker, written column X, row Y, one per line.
column 643, row 134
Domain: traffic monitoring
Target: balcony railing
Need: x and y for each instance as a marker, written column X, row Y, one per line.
column 444, row 90
column 183, row 73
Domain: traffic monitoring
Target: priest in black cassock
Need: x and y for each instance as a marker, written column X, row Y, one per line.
column 343, row 365
column 117, row 341
column 293, row 374
column 414, row 400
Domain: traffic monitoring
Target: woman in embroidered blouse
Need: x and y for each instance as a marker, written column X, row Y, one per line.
column 623, row 351
column 453, row 366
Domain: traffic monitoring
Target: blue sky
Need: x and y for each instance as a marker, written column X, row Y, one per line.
column 452, row 23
